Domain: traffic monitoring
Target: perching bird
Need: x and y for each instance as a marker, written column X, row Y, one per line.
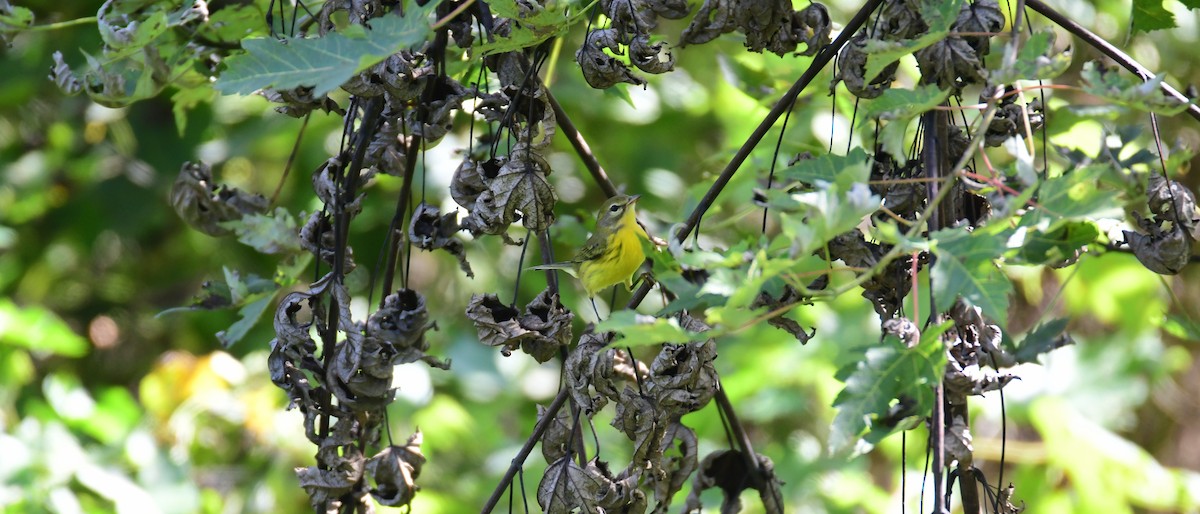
column 613, row 252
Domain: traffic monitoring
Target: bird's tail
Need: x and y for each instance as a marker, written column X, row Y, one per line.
column 568, row 267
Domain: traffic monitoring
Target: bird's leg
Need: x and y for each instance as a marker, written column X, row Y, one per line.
column 594, row 309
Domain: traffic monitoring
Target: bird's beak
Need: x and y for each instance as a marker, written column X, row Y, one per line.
column 633, row 199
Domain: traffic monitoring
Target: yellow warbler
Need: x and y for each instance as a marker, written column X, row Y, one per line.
column 613, row 252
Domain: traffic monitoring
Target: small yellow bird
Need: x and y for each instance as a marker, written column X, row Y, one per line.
column 613, row 252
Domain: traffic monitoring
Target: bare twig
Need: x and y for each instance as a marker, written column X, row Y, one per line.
column 768, row 490
column 1111, row 51
column 519, row 460
column 581, row 147
column 784, row 103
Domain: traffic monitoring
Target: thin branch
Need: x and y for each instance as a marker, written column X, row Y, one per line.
column 581, row 147
column 784, row 103
column 540, row 428
column 87, row 20
column 768, row 490
column 1111, row 51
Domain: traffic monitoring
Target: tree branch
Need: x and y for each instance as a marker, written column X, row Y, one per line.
column 768, row 490
column 1111, row 51
column 519, row 459
column 581, row 146
column 785, row 102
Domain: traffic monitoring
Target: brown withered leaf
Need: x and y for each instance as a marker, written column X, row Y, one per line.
column 334, row 477
column 789, row 296
column 852, row 70
column 678, row 459
column 981, row 16
column 590, row 366
column 600, row 69
column 726, row 470
column 433, row 119
column 1163, row 252
column 650, row 57
column 401, row 323
column 950, row 63
column 204, row 205
column 556, row 441
column 568, row 487
column 300, row 101
column 521, row 191
column 430, row 230
column 682, row 376
column 643, row 423
column 1170, row 201
column 471, row 179
column 395, row 470
column 550, row 322
column 316, row 236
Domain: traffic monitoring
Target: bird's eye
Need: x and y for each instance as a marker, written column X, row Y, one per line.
column 614, row 208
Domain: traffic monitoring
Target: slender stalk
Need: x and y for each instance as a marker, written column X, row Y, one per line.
column 783, row 104
column 519, row 460
column 1111, row 51
column 87, row 20
column 768, row 487
column 581, row 147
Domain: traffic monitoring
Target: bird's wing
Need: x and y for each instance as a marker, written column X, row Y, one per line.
column 592, row 249
column 554, row 265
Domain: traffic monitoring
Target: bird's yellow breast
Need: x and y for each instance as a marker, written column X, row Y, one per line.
column 620, row 259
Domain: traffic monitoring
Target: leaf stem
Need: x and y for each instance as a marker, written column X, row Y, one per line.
column 87, row 20
column 581, row 147
column 538, row 429
column 1111, row 51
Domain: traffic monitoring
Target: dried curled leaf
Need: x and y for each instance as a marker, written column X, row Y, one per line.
column 299, row 102
column 600, row 69
column 556, row 441
column 976, row 343
column 950, row 63
column 520, row 191
column 568, row 487
column 395, row 470
column 61, row 74
column 335, row 475
column 430, row 230
column 316, row 236
column 540, row 331
column 789, row 296
column 471, row 178
column 400, row 325
column 591, row 366
column 433, row 119
column 682, row 376
column 204, row 205
column 401, row 76
column 678, row 459
column 727, row 470
column 1171, row 201
column 852, row 70
column 978, row 18
column 293, row 350
column 1165, row 252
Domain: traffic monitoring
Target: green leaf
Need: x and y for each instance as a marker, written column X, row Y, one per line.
column 1079, row 195
column 1181, row 327
column 531, row 29
column 1150, row 15
column 887, row 373
column 187, row 98
column 14, row 18
column 898, row 107
column 1042, row 339
column 38, row 329
column 1037, row 60
column 1129, row 91
column 843, row 170
column 322, row 63
column 269, row 234
column 938, row 14
column 1191, row 4
column 965, row 267
column 1061, row 242
column 636, row 330
column 248, row 316
column 822, row 214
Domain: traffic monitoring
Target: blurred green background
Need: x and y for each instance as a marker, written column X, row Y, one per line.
column 106, row 406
